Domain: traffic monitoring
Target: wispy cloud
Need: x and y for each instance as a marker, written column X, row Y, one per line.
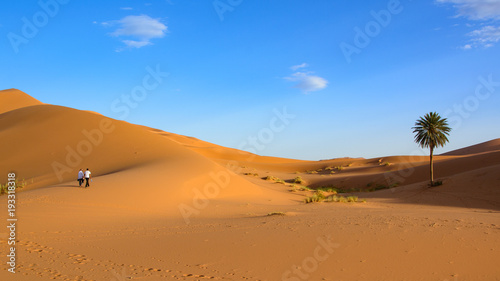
column 295, row 67
column 306, row 81
column 485, row 37
column 126, row 8
column 479, row 10
column 476, row 9
column 137, row 31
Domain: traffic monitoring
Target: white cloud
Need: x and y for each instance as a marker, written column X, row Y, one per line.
column 295, row 67
column 126, row 8
column 476, row 9
column 307, row 82
column 479, row 10
column 136, row 44
column 137, row 31
column 485, row 37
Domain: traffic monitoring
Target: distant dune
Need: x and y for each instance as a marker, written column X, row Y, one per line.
column 484, row 147
column 163, row 206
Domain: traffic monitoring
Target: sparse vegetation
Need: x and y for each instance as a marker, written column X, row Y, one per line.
column 438, row 183
column 339, row 168
column 312, row 172
column 275, row 179
column 4, row 189
column 328, row 189
column 319, row 197
column 377, row 187
column 305, row 188
column 352, row 198
column 276, row 214
column 387, row 164
column 270, row 178
column 298, row 180
column 251, row 174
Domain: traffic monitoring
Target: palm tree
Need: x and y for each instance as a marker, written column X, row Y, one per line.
column 431, row 131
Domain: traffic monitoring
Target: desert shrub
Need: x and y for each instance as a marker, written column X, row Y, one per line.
column 4, row 189
column 387, row 164
column 342, row 199
column 352, row 198
column 339, row 168
column 298, row 180
column 280, row 181
column 320, row 194
column 437, row 183
column 313, row 198
column 327, row 189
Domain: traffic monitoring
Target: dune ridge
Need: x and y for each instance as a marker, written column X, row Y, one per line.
column 11, row 99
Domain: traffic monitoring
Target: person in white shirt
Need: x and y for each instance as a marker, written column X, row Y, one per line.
column 87, row 177
column 80, row 178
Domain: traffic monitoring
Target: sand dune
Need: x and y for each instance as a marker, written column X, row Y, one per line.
column 488, row 146
column 12, row 99
column 168, row 207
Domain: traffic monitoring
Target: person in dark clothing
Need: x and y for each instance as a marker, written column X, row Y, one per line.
column 88, row 176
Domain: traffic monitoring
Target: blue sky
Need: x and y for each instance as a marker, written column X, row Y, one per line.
column 290, row 78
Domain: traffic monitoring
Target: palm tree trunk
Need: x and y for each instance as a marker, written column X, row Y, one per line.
column 431, row 166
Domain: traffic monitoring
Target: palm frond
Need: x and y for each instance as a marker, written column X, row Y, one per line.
column 431, row 131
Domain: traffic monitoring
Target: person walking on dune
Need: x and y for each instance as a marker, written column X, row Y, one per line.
column 87, row 177
column 80, row 178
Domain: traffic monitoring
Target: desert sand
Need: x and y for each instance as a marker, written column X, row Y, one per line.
column 163, row 206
